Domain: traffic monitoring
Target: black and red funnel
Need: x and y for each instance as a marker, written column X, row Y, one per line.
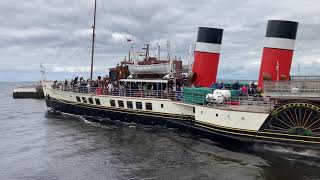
column 206, row 57
column 278, row 51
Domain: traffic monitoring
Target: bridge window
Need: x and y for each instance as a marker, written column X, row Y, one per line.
column 120, row 103
column 90, row 100
column 113, row 103
column 139, row 105
column 129, row 105
column 84, row 99
column 98, row 101
column 149, row 106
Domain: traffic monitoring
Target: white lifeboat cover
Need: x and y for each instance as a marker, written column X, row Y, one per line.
column 225, row 93
column 150, row 69
column 214, row 98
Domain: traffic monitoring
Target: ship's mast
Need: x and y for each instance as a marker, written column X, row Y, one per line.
column 93, row 37
column 158, row 52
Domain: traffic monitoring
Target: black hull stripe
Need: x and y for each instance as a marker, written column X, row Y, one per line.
column 248, row 136
column 284, row 137
column 260, row 134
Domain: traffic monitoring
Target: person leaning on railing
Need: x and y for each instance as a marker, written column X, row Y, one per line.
column 252, row 90
column 244, row 90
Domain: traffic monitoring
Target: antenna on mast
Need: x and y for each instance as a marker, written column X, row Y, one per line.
column 158, row 52
column 168, row 50
column 190, row 54
column 43, row 71
column 93, row 37
column 129, row 40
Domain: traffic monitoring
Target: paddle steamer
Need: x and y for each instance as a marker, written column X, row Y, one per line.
column 148, row 92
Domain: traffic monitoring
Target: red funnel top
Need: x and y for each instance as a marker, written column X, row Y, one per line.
column 278, row 51
column 206, row 58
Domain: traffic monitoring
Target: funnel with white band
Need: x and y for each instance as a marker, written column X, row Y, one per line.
column 278, row 51
column 206, row 56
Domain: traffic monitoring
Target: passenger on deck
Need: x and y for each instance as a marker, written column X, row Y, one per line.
column 121, row 89
column 55, row 84
column 76, row 80
column 65, row 87
column 88, row 86
column 110, row 88
column 252, row 90
column 178, row 92
column 236, row 86
column 220, row 85
column 244, row 90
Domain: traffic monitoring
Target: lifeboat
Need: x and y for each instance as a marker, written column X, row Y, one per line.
column 162, row 68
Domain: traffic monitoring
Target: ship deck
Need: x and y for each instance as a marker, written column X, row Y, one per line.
column 256, row 107
column 241, row 103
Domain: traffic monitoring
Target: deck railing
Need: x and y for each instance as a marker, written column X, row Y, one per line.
column 296, row 88
column 159, row 94
column 247, row 101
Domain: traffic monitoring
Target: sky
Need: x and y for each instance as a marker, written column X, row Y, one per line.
column 57, row 34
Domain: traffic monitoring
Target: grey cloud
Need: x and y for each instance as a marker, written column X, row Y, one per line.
column 59, row 32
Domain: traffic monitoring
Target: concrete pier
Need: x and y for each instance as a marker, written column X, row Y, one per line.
column 35, row 92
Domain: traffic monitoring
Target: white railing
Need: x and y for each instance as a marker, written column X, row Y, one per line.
column 243, row 102
column 159, row 94
column 296, row 88
column 250, row 102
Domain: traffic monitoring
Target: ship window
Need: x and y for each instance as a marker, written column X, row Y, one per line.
column 139, row 105
column 148, row 106
column 113, row 103
column 84, row 99
column 161, row 105
column 120, row 103
column 90, row 100
column 194, row 110
column 78, row 99
column 129, row 105
column 98, row 101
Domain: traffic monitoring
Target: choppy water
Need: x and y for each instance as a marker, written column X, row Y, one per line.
column 35, row 144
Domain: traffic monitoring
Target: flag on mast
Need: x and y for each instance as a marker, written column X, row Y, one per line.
column 129, row 39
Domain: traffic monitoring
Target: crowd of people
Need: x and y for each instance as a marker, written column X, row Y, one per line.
column 106, row 86
column 243, row 90
column 103, row 85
